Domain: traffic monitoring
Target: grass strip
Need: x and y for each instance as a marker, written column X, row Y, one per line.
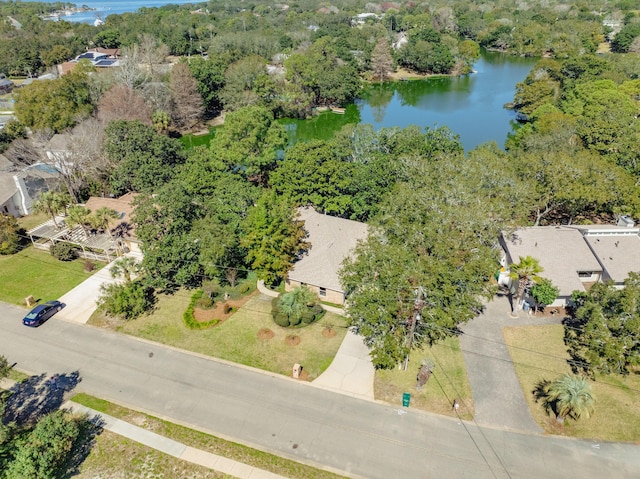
column 206, row 442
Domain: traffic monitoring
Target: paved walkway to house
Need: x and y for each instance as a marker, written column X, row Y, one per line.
column 497, row 395
column 80, row 302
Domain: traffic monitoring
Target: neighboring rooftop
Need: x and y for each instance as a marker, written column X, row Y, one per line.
column 332, row 240
column 122, row 225
column 560, row 250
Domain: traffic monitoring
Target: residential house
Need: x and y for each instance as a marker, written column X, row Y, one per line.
column 332, row 240
column 575, row 257
column 19, row 189
column 121, row 227
column 561, row 251
column 6, row 85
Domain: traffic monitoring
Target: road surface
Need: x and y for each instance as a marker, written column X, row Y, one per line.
column 295, row 420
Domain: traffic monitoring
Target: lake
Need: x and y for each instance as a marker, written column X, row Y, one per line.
column 103, row 8
column 471, row 106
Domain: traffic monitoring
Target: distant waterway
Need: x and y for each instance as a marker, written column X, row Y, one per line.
column 102, row 8
column 471, row 105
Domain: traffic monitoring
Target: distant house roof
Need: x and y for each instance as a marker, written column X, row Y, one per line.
column 123, row 206
column 560, row 250
column 332, row 240
column 5, row 163
column 8, row 187
column 616, row 248
column 59, row 142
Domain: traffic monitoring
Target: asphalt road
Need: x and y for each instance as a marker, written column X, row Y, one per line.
column 296, row 420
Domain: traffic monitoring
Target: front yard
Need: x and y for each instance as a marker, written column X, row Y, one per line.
column 447, row 382
column 539, row 353
column 237, row 338
column 37, row 273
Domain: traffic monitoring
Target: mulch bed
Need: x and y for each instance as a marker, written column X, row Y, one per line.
column 292, row 340
column 217, row 312
column 265, row 334
column 329, row 333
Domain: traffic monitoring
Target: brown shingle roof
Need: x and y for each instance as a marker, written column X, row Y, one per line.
column 123, row 225
column 332, row 240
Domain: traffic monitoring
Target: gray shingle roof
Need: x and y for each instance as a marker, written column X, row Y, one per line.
column 617, row 250
column 8, row 187
column 561, row 251
column 332, row 240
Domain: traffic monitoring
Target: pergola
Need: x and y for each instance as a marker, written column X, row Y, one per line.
column 99, row 246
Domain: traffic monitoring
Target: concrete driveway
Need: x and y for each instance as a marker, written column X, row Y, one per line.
column 497, row 395
column 80, row 302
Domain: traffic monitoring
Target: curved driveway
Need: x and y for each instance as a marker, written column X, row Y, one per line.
column 356, row 437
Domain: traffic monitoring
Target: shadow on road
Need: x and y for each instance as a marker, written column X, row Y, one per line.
column 38, row 395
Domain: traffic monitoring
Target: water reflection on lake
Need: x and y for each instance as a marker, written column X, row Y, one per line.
column 471, row 106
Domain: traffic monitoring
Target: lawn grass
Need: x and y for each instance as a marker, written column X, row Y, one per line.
column 116, row 456
column 37, row 273
column 236, row 339
column 617, row 398
column 31, row 221
column 448, row 381
column 206, row 442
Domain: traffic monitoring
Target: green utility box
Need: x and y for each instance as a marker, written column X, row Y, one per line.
column 406, row 399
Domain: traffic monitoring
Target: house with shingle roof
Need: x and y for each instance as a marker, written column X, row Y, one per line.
column 121, row 227
column 332, row 241
column 576, row 257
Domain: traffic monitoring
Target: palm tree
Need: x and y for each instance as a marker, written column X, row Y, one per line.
column 51, row 202
column 525, row 271
column 570, row 396
column 125, row 267
column 101, row 219
column 79, row 215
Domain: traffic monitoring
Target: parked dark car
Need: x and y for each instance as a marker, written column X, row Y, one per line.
column 41, row 313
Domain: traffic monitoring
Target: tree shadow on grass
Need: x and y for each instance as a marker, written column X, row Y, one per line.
column 90, row 428
column 38, row 395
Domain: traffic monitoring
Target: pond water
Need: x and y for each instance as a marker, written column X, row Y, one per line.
column 471, row 106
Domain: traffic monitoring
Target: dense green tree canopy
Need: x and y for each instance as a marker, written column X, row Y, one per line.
column 604, row 332
column 142, row 159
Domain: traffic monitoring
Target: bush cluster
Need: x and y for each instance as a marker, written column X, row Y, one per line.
column 297, row 308
column 127, row 300
column 64, row 251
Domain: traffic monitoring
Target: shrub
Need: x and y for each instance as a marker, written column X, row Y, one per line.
column 47, row 449
column 126, row 301
column 204, row 302
column 64, row 251
column 226, row 308
column 188, row 318
column 9, row 237
column 299, row 307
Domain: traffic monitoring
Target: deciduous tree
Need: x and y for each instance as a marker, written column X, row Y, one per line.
column 273, row 237
column 188, row 106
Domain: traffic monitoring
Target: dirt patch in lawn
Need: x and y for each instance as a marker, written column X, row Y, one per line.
column 265, row 334
column 217, row 312
column 292, row 340
column 329, row 333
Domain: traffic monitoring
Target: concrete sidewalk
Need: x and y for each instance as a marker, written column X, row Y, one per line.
column 80, row 302
column 173, row 448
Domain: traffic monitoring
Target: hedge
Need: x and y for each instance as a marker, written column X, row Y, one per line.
column 190, row 321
